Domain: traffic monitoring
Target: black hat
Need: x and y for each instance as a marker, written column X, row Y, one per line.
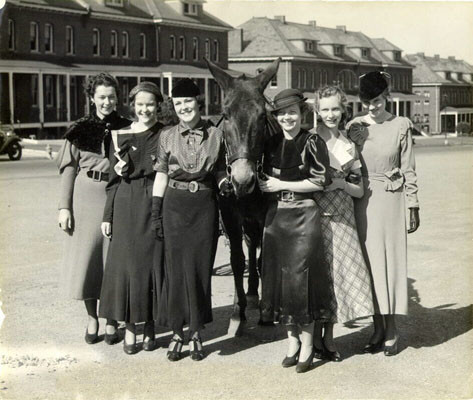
column 185, row 88
column 373, row 84
column 146, row 86
column 287, row 98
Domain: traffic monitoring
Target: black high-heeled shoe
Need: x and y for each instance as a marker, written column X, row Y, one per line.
column 391, row 350
column 111, row 339
column 130, row 349
column 332, row 355
column 174, row 353
column 291, row 361
column 374, row 347
column 318, row 353
column 151, row 344
column 196, row 354
column 304, row 366
column 91, row 338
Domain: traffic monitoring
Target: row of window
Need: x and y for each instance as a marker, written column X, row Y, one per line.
column 419, row 93
column 418, row 118
column 400, row 82
column 119, row 43
column 179, row 51
column 457, row 97
column 308, row 80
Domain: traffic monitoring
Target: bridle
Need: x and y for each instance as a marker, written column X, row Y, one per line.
column 230, row 157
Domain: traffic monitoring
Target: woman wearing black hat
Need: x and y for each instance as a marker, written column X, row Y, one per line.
column 84, row 165
column 294, row 275
column 388, row 168
column 190, row 162
column 132, row 278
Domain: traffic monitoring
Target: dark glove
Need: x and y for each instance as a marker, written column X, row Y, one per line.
column 414, row 220
column 157, row 217
column 353, row 178
column 358, row 133
column 226, row 188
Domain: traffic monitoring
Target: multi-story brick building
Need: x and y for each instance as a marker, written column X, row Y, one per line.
column 313, row 56
column 445, row 87
column 49, row 47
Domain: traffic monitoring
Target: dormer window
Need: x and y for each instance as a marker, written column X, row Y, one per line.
column 114, row 3
column 190, row 9
column 459, row 76
column 338, row 50
column 365, row 53
column 397, row 56
column 448, row 75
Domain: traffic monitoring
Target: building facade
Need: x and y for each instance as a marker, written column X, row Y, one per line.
column 445, row 90
column 314, row 56
column 49, row 47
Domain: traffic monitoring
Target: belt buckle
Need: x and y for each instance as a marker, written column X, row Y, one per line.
column 287, row 195
column 96, row 176
column 193, row 186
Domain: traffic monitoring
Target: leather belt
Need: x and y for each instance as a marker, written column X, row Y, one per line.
column 287, row 195
column 192, row 186
column 97, row 176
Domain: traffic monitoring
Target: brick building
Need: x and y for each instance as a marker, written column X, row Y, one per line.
column 49, row 47
column 446, row 89
column 313, row 56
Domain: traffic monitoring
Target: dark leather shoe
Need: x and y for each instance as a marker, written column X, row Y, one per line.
column 91, row 338
column 318, row 353
column 196, row 354
column 392, row 350
column 130, row 348
column 291, row 361
column 304, row 366
column 332, row 355
column 149, row 345
column 175, row 348
column 111, row 339
column 374, row 347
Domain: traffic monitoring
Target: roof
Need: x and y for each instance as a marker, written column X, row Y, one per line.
column 385, row 45
column 265, row 37
column 150, row 10
column 427, row 69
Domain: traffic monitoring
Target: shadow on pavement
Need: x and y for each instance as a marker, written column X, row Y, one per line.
column 423, row 327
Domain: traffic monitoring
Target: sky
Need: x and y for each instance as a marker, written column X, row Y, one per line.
column 431, row 27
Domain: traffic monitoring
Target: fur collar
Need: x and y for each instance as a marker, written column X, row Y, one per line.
column 89, row 132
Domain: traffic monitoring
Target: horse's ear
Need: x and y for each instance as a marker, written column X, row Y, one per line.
column 222, row 78
column 265, row 77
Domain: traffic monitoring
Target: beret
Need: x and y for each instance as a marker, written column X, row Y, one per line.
column 146, row 86
column 185, row 88
column 372, row 85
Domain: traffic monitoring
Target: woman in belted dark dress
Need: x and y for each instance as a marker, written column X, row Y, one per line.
column 190, row 162
column 84, row 166
column 294, row 275
column 133, row 274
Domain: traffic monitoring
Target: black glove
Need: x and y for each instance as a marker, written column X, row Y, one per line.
column 414, row 220
column 157, row 217
column 358, row 133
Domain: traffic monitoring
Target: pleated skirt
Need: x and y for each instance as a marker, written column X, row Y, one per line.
column 85, row 248
column 294, row 275
column 190, row 222
column 134, row 268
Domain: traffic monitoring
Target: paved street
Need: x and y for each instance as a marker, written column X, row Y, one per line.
column 44, row 356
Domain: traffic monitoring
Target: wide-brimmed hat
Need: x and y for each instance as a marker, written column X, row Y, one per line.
column 149, row 87
column 373, row 84
column 287, row 98
column 185, row 88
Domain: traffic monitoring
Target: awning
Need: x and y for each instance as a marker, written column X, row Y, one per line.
column 405, row 96
column 457, row 110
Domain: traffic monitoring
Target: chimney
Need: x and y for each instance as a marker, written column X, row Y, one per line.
column 342, row 28
column 313, row 23
column 235, row 41
column 436, row 57
column 451, row 58
column 281, row 18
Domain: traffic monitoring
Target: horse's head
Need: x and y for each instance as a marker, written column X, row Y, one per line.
column 244, row 126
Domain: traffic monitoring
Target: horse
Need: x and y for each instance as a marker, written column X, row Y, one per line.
column 246, row 125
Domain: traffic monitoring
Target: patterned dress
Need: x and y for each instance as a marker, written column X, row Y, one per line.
column 350, row 286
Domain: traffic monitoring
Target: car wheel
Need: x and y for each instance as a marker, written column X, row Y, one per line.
column 14, row 151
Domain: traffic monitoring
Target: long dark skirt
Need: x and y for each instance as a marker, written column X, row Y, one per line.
column 294, row 274
column 133, row 271
column 190, row 223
